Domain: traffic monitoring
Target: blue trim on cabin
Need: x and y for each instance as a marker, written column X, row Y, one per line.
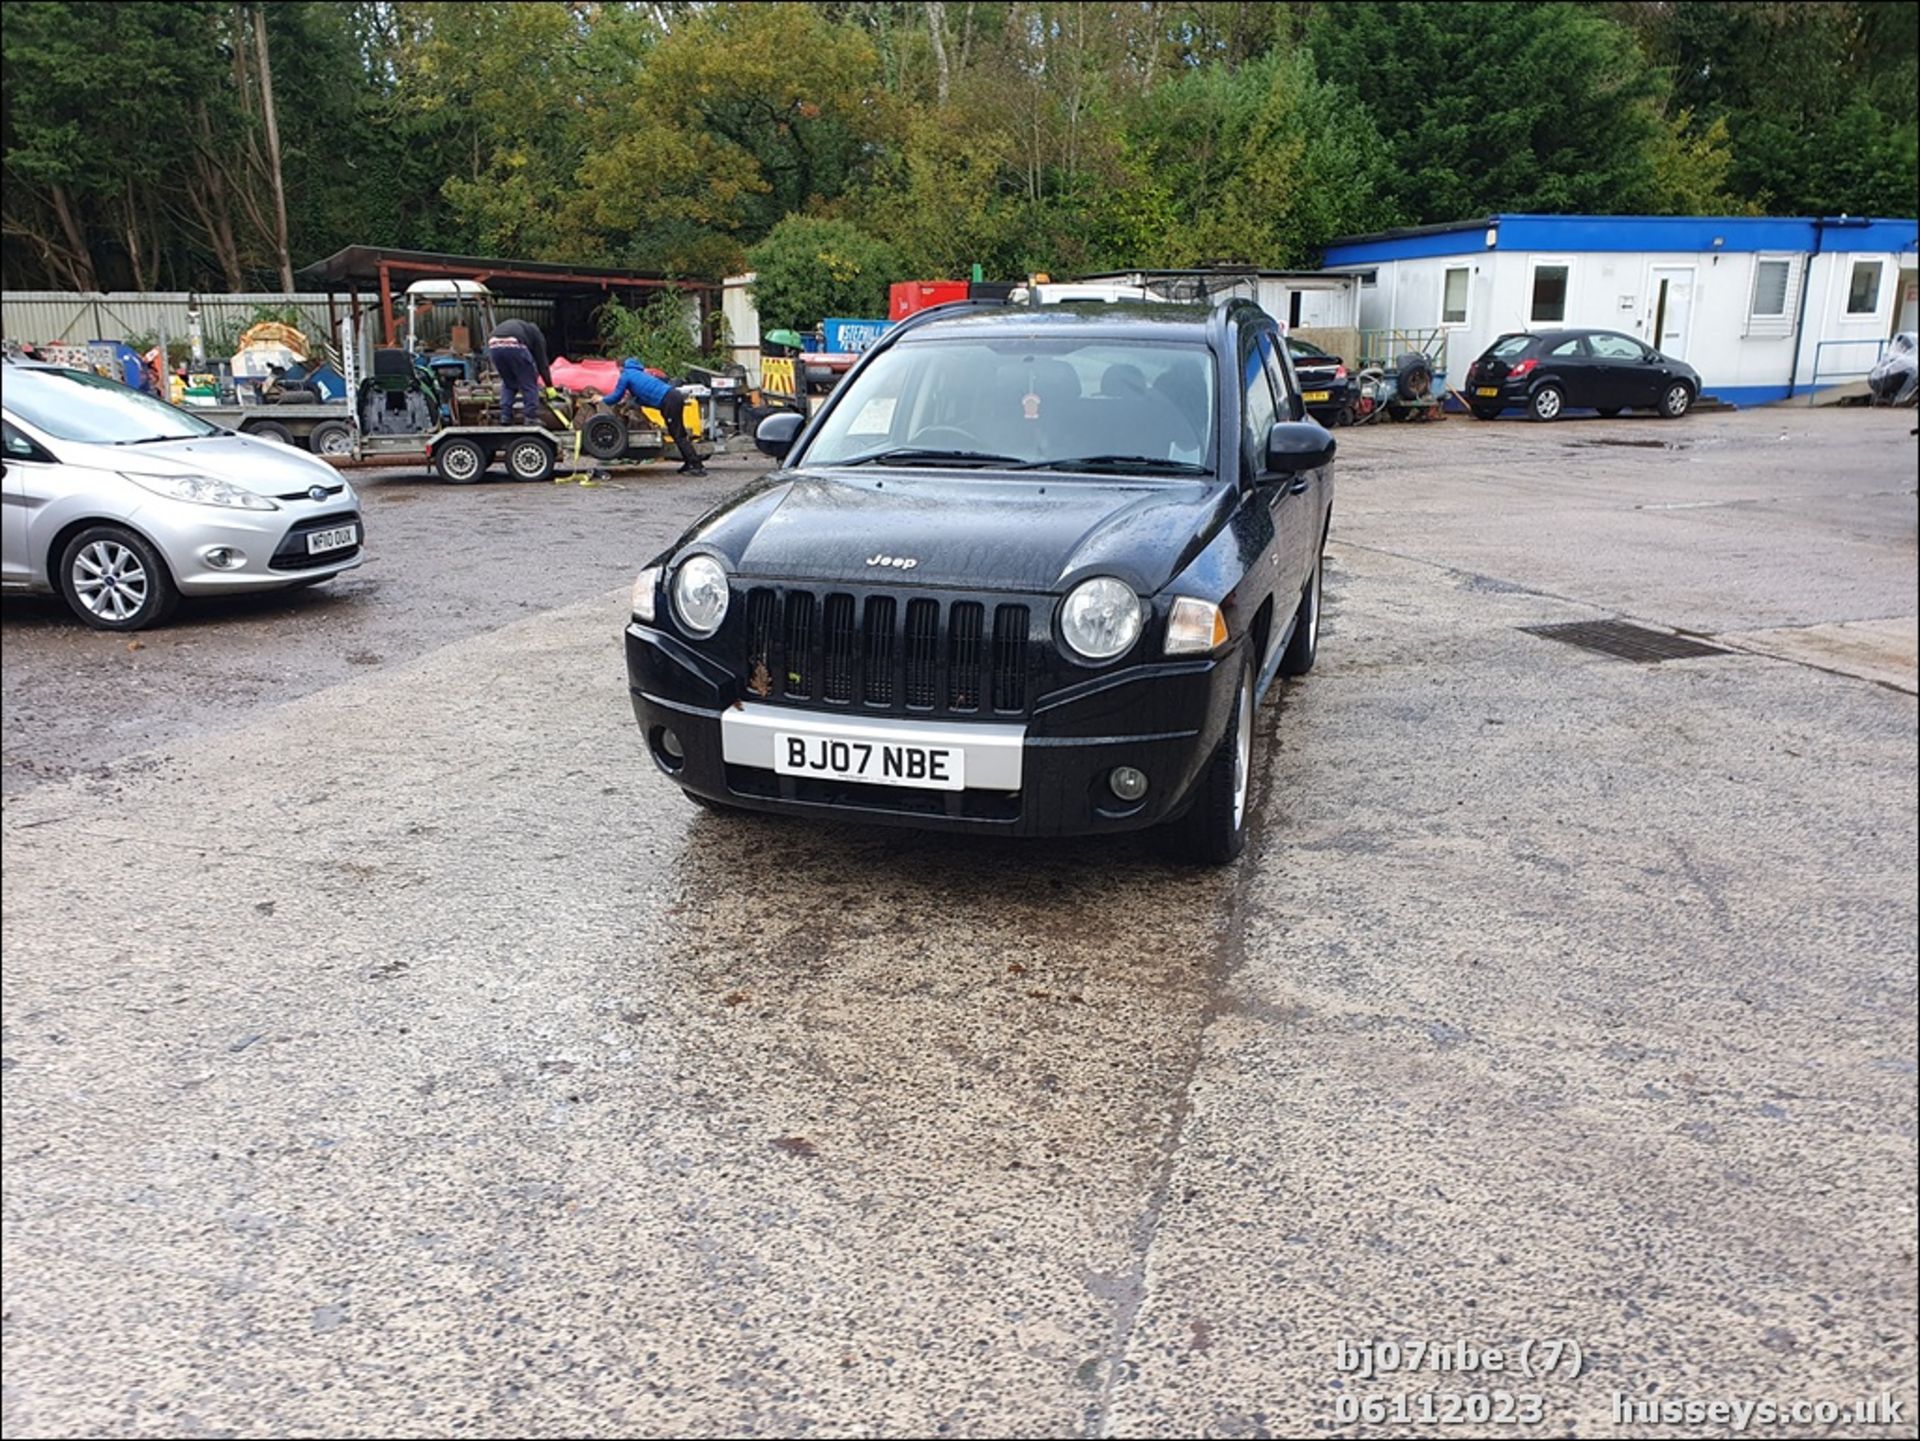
column 1670, row 234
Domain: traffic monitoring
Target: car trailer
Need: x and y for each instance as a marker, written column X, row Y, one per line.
column 324, row 427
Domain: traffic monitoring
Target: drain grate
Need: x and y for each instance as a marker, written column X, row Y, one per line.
column 1626, row 640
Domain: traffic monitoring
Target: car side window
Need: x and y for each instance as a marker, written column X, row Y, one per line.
column 1575, row 347
column 1280, row 372
column 1259, row 412
column 1616, row 347
column 18, row 447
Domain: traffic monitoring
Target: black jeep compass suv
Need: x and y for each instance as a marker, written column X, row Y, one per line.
column 1026, row 570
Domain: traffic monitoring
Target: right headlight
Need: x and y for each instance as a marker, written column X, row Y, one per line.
column 700, row 594
column 201, row 490
column 1101, row 618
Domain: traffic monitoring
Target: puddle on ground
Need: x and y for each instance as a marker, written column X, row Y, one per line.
column 1633, row 444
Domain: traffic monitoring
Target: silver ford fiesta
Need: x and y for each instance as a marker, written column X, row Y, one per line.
column 122, row 504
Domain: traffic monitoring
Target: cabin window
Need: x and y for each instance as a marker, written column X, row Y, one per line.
column 1770, row 280
column 1863, row 291
column 1453, row 303
column 1549, row 295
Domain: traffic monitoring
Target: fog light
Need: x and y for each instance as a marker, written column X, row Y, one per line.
column 224, row 558
column 1127, row 783
column 670, row 743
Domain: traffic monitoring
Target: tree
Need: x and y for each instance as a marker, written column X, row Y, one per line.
column 808, row 269
column 743, row 114
column 1499, row 106
column 1817, row 102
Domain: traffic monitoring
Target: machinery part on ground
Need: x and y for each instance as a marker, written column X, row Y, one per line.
column 331, row 438
column 460, row 460
column 1412, row 376
column 604, row 437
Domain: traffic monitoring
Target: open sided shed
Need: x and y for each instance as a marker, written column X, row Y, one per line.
column 574, row 292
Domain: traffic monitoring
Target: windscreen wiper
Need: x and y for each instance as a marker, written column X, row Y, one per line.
column 916, row 455
column 1146, row 464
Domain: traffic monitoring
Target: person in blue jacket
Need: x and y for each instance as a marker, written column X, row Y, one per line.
column 645, row 388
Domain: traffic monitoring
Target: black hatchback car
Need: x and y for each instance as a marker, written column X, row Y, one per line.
column 1026, row 571
column 1553, row 371
column 1329, row 389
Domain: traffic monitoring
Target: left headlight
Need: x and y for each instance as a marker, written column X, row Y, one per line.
column 700, row 594
column 646, row 586
column 1101, row 618
column 201, row 490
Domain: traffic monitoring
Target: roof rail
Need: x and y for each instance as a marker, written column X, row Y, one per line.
column 947, row 308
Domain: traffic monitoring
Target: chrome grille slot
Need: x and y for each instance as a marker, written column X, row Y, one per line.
column 923, row 653
column 839, row 646
column 799, row 662
column 1010, row 657
column 877, row 675
column 964, row 626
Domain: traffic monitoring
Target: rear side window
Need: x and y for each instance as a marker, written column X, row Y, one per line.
column 1259, row 412
column 1614, row 347
column 1572, row 346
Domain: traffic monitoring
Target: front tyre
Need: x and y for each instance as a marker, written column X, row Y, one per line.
column 1547, row 403
column 1676, row 400
column 1214, row 829
column 113, row 580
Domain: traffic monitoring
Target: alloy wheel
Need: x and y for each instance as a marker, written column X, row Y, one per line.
column 110, row 580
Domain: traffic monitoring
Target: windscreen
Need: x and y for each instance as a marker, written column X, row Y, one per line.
column 76, row 405
column 1032, row 402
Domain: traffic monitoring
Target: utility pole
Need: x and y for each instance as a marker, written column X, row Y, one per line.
column 273, row 146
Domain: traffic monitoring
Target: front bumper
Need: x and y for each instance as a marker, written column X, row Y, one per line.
column 1045, row 774
column 270, row 546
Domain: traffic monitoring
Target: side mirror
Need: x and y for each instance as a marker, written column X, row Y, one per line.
column 777, row 433
column 1297, row 445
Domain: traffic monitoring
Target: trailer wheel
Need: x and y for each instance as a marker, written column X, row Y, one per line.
column 270, row 430
column 530, row 458
column 331, row 437
column 460, row 461
column 604, row 437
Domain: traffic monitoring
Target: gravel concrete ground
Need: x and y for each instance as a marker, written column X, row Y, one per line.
column 389, row 1051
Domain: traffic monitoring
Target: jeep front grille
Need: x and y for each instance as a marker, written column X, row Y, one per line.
column 884, row 653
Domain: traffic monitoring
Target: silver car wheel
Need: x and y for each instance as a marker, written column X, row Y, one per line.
column 1677, row 400
column 1242, row 749
column 1546, row 405
column 110, row 580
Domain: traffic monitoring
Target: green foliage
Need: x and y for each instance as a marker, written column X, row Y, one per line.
column 808, row 269
column 1017, row 134
column 1499, row 106
column 664, row 331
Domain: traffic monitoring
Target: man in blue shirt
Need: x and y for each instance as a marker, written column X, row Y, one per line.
column 645, row 388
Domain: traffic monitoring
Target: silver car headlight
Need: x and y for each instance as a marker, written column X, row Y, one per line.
column 700, row 594
column 646, row 586
column 201, row 490
column 1101, row 618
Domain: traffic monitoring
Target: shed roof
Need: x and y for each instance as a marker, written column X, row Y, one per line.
column 360, row 265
